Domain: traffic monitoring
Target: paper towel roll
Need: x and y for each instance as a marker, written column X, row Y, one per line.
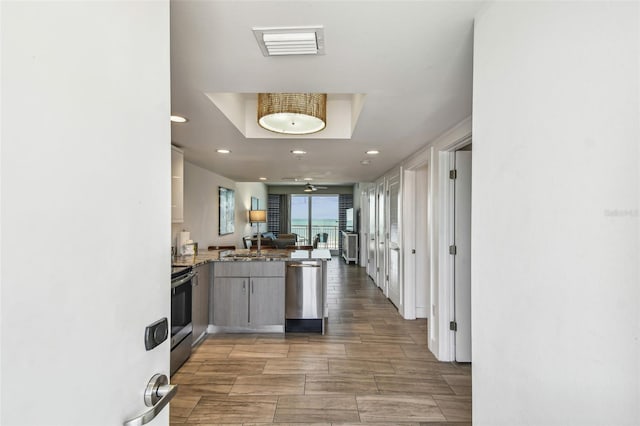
column 183, row 237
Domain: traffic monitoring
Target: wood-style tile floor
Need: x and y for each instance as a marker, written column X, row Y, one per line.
column 371, row 367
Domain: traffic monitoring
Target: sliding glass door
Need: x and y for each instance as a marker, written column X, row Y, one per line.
column 300, row 217
column 316, row 215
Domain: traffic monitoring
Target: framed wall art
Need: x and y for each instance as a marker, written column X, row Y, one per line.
column 227, row 201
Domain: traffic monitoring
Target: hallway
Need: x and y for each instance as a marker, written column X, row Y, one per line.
column 370, row 367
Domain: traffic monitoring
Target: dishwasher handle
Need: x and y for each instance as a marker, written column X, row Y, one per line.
column 301, row 265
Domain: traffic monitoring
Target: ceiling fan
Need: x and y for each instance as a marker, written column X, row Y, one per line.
column 313, row 188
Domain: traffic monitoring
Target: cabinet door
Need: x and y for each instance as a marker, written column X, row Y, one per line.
column 266, row 302
column 177, row 185
column 230, row 302
column 200, row 302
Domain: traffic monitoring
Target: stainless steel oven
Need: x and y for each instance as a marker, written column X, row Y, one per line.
column 181, row 327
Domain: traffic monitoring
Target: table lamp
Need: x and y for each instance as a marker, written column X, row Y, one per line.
column 258, row 216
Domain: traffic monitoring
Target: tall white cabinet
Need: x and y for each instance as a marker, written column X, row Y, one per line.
column 177, row 185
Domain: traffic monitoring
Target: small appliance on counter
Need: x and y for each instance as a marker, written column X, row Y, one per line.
column 186, row 246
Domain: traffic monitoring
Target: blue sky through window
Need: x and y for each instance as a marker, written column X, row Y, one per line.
column 323, row 207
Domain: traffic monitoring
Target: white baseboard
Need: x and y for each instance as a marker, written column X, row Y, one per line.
column 422, row 312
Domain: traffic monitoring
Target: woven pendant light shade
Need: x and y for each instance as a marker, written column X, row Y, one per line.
column 292, row 113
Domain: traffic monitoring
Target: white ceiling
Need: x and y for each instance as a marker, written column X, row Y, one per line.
column 413, row 60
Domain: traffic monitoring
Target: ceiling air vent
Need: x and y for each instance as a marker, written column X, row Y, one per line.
column 290, row 41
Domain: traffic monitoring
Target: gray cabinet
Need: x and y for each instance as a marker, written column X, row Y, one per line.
column 266, row 303
column 230, row 302
column 248, row 294
column 200, row 301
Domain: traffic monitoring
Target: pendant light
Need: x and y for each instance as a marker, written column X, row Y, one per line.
column 292, row 113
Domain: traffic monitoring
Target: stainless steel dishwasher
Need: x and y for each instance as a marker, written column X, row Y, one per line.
column 304, row 295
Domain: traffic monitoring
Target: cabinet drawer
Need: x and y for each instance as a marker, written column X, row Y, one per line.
column 267, row 269
column 232, row 269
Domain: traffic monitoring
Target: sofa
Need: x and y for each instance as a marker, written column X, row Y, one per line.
column 266, row 240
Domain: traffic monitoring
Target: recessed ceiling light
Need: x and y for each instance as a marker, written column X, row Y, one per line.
column 373, row 152
column 307, row 179
column 298, row 152
column 365, row 162
column 178, row 119
column 262, row 178
column 223, row 151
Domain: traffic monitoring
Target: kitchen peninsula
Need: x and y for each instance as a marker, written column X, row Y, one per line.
column 246, row 291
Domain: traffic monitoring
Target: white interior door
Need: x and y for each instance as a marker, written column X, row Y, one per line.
column 371, row 243
column 422, row 256
column 380, row 238
column 462, row 259
column 91, row 191
column 393, row 245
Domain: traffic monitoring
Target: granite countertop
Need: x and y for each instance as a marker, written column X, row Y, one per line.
column 244, row 255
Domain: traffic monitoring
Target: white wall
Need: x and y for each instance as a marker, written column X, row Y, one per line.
column 555, row 214
column 201, row 207
column 84, row 211
column 244, row 192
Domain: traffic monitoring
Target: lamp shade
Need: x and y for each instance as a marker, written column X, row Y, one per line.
column 292, row 113
column 257, row 216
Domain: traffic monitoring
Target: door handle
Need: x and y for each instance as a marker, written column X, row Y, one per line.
column 157, row 395
column 251, row 286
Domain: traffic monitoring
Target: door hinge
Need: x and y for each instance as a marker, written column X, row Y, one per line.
column 413, row 251
column 453, row 326
column 378, row 269
column 453, row 174
column 387, row 277
column 453, row 250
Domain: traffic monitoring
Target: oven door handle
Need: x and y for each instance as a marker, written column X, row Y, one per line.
column 181, row 281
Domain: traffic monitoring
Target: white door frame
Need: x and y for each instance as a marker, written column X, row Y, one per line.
column 394, row 179
column 462, row 259
column 409, row 281
column 412, row 192
column 363, row 227
column 445, row 295
column 371, row 265
column 380, row 236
